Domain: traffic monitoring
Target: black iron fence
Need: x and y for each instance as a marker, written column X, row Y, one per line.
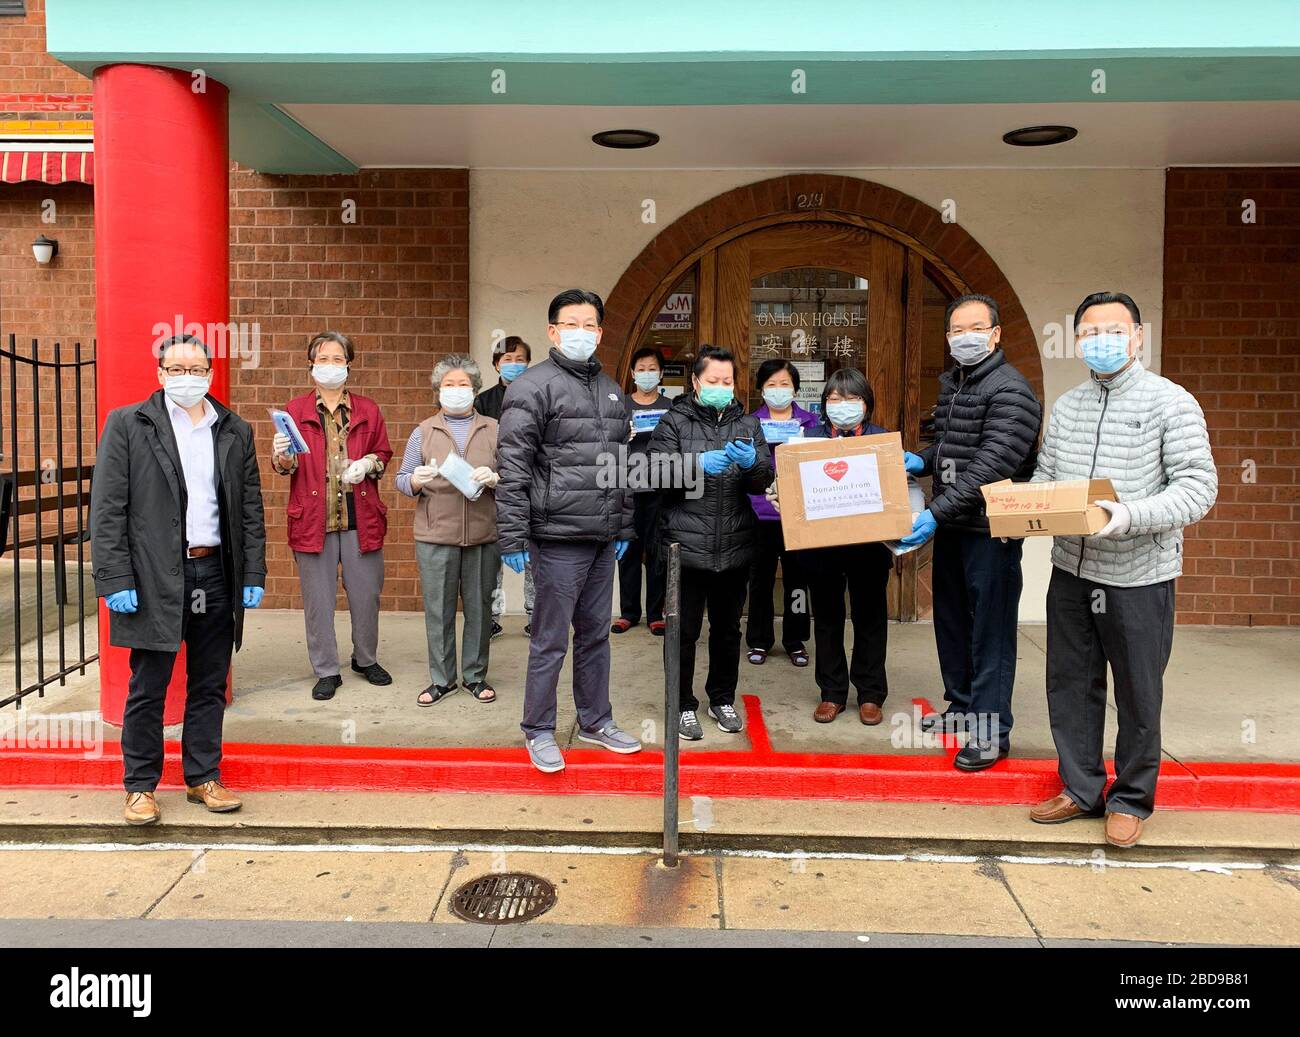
column 44, row 506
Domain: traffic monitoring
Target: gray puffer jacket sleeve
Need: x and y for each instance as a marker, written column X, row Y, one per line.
column 1191, row 481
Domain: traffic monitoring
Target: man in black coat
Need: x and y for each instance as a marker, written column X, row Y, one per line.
column 986, row 428
column 562, row 507
column 179, row 549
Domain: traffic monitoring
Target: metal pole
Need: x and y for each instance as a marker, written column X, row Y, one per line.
column 672, row 699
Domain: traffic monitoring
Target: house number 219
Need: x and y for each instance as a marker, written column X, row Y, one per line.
column 812, row 200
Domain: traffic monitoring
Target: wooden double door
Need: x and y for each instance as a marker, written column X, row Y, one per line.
column 824, row 294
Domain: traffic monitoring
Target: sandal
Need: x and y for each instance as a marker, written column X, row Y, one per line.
column 621, row 626
column 436, row 693
column 757, row 656
column 482, row 691
column 799, row 656
column 657, row 627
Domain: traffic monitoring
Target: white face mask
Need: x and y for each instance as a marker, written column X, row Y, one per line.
column 646, row 380
column 970, row 347
column 185, row 390
column 577, row 343
column 329, row 376
column 456, row 399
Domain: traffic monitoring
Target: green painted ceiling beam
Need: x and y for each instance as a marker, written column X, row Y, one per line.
column 674, row 52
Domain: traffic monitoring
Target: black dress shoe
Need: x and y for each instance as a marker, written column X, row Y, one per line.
column 978, row 756
column 949, row 721
column 374, row 673
column 324, row 688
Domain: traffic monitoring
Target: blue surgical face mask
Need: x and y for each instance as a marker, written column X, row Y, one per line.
column 778, row 399
column 1105, row 353
column 509, row 372
column 846, row 415
column 577, row 343
column 646, row 380
column 717, row 396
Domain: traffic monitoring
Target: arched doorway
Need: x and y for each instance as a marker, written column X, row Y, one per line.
column 828, row 272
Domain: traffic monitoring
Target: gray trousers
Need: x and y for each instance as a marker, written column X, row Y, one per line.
column 363, row 579
column 499, row 595
column 445, row 572
column 575, row 584
column 1131, row 628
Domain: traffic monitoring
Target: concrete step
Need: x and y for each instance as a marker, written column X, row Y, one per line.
column 758, row 825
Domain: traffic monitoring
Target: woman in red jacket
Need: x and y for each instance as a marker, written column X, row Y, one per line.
column 335, row 515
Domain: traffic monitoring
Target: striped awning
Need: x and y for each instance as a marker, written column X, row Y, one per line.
column 49, row 167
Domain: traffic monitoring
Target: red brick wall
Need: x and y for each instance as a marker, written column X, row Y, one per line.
column 396, row 282
column 25, row 67
column 1232, row 337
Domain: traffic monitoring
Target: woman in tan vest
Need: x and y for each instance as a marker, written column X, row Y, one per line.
column 449, row 467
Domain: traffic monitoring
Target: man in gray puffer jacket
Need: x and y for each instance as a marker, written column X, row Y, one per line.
column 562, row 424
column 1111, row 597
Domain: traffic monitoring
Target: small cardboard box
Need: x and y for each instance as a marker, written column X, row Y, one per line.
column 1043, row 509
column 851, row 490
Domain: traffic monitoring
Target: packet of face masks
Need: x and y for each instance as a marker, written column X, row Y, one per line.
column 286, row 425
column 458, row 472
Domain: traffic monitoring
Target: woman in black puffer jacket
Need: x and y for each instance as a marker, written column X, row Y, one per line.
column 708, row 455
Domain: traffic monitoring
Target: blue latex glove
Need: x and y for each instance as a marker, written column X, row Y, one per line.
column 253, row 596
column 912, row 463
column 742, row 454
column 516, row 560
column 122, row 601
column 714, row 462
column 620, row 549
column 922, row 529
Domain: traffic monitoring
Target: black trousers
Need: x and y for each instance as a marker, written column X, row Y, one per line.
column 976, row 582
column 722, row 595
column 796, row 620
column 208, row 630
column 1132, row 628
column 642, row 551
column 862, row 569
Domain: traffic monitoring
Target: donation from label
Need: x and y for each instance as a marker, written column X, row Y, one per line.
column 841, row 486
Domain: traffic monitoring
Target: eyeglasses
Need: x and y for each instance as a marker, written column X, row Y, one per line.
column 569, row 325
column 331, row 361
column 177, row 372
column 982, row 329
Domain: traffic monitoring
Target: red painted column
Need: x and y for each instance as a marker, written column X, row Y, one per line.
column 162, row 240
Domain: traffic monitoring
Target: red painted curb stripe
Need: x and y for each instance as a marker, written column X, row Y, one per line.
column 757, row 773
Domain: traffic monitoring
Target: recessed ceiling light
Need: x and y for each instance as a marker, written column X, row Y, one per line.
column 625, row 139
column 1039, row 136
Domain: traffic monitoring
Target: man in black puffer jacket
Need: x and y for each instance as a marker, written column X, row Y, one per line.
column 561, row 506
column 985, row 429
column 708, row 436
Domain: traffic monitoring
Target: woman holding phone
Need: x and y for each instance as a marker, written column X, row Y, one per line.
column 707, row 435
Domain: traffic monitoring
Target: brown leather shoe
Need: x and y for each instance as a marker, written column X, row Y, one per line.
column 1123, row 829
column 1057, row 809
column 827, row 711
column 141, row 809
column 870, row 714
column 215, row 796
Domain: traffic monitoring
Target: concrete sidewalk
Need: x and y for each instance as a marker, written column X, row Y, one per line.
column 1230, row 694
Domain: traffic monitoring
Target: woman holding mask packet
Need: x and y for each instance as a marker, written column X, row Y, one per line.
column 449, row 467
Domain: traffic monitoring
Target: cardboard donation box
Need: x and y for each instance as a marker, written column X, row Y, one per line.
column 851, row 490
column 1044, row 509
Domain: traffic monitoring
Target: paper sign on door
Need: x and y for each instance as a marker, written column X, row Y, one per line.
column 841, row 486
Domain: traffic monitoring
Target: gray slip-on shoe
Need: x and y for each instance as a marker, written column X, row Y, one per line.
column 611, row 738
column 545, row 754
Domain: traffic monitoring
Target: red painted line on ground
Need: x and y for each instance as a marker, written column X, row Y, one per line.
column 759, row 772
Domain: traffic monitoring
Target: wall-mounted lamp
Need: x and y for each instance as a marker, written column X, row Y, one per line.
column 45, row 249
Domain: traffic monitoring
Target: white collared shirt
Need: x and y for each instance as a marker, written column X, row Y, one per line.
column 195, row 446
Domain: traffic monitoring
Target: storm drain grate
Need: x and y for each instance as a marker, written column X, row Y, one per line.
column 511, row 896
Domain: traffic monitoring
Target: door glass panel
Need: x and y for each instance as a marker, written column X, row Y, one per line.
column 813, row 316
column 934, row 352
column 673, row 331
